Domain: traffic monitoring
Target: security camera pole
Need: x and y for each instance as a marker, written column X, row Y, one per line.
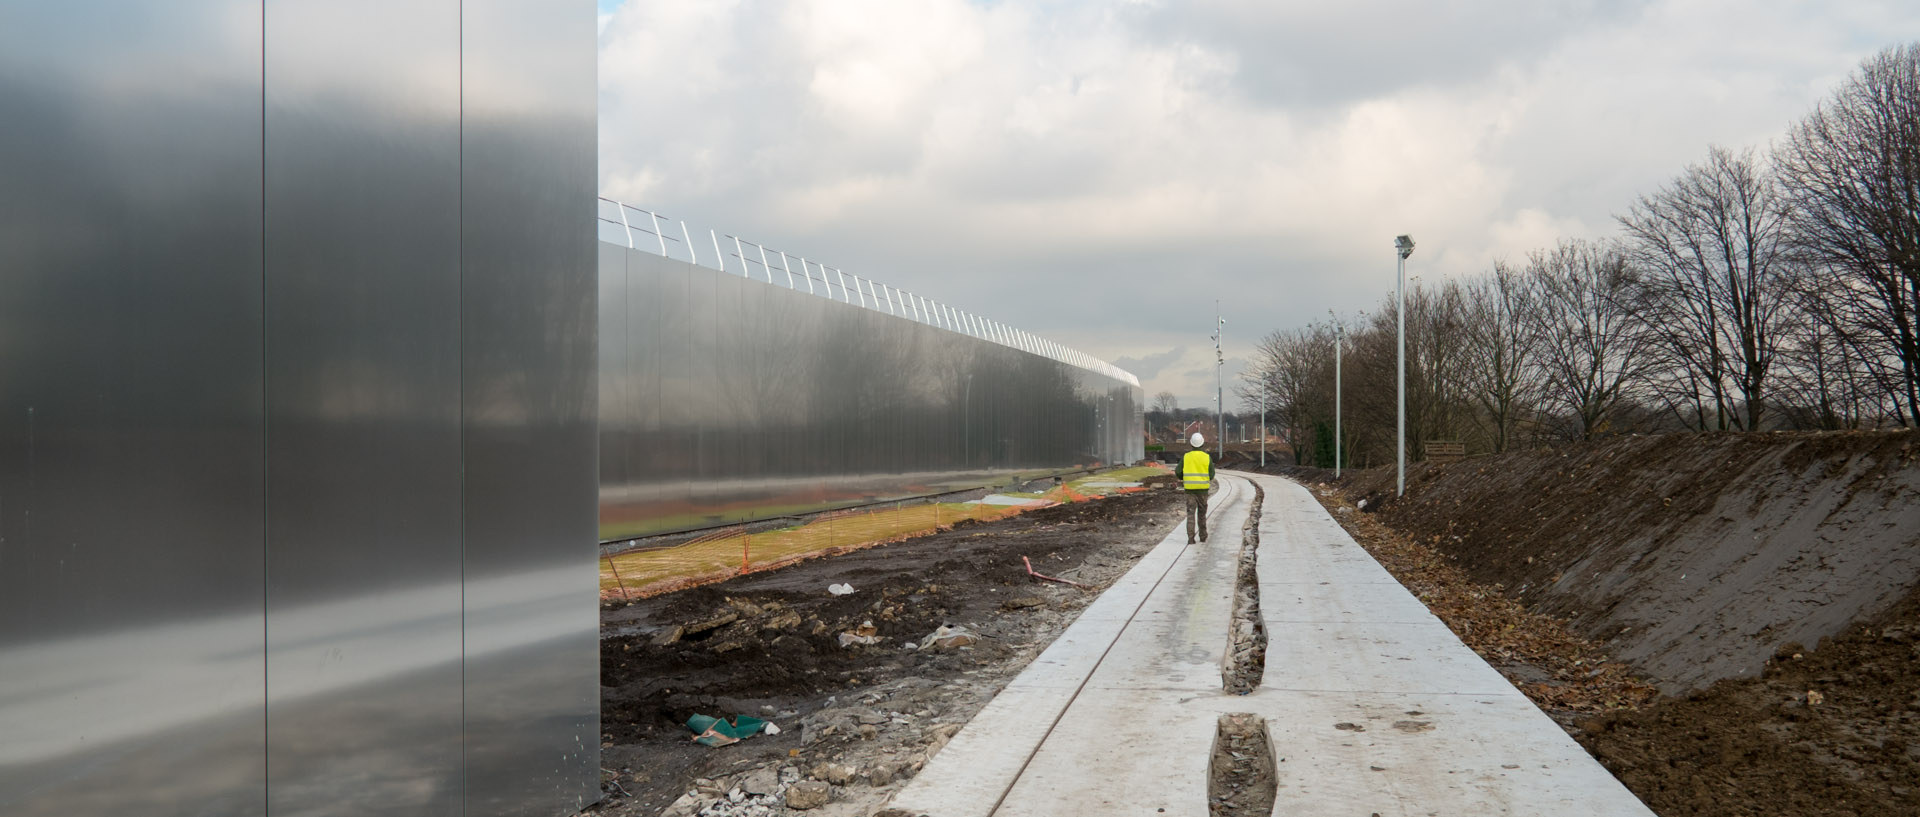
column 1403, row 245
column 1219, row 403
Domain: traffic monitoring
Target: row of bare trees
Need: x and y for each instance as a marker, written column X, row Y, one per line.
column 1754, row 291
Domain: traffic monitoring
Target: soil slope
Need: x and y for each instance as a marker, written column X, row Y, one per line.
column 1831, row 732
column 1693, row 557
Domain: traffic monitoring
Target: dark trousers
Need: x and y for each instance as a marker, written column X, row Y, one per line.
column 1197, row 513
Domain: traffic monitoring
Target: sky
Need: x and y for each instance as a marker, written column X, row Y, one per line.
column 1104, row 173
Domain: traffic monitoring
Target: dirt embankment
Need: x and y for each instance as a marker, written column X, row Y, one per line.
column 1693, row 557
column 1828, row 732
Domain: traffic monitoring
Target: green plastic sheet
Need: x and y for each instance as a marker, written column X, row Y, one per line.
column 710, row 731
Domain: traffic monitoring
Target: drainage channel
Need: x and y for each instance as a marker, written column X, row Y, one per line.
column 1242, row 777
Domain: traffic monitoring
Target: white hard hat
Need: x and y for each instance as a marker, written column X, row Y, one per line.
column 1196, row 440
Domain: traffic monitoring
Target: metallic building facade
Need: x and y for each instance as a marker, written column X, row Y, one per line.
column 297, row 385
column 725, row 398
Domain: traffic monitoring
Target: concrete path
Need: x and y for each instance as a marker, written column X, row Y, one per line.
column 1373, row 706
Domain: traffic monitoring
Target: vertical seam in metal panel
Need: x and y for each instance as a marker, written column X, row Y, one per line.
column 460, row 331
column 266, row 418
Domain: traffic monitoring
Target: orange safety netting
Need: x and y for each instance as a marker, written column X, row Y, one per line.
column 727, row 552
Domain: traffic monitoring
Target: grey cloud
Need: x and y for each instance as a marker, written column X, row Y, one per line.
column 1149, row 366
column 1318, row 53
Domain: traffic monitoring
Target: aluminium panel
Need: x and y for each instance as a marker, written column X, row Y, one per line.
column 363, row 393
column 771, row 401
column 528, row 403
column 131, row 562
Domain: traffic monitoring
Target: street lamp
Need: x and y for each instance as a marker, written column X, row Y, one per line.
column 1403, row 246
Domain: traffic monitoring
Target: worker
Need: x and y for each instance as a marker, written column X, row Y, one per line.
column 1195, row 473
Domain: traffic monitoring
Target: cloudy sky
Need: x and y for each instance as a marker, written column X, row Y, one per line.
column 1101, row 172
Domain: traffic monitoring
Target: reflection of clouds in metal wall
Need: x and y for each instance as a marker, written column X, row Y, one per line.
column 317, row 261
column 726, row 399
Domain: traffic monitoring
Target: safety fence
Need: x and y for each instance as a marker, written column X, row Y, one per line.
column 724, row 553
column 639, row 228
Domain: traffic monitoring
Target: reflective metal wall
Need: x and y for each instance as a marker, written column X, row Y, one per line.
column 297, row 451
column 725, row 399
column 131, row 451
column 532, row 725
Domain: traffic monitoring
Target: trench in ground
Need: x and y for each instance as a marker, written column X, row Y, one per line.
column 1242, row 778
column 1246, row 659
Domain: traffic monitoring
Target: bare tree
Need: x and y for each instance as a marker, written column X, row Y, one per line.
column 1592, row 349
column 1716, row 282
column 1295, row 370
column 1499, row 344
column 1166, row 403
column 1826, row 381
column 1852, row 168
column 1436, row 364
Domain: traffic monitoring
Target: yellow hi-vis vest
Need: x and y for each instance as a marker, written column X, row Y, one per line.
column 1196, row 471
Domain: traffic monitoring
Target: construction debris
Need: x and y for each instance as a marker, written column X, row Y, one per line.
column 710, row 731
column 1029, row 564
column 949, row 638
column 808, row 795
column 865, row 635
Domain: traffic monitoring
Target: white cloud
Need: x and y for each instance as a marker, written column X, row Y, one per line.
column 1101, row 173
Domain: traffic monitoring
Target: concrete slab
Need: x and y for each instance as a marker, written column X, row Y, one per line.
column 1430, row 754
column 1286, row 600
column 1364, row 657
column 980, row 766
column 1374, row 707
column 1121, row 751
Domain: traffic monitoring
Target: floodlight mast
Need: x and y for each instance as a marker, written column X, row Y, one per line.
column 1403, row 247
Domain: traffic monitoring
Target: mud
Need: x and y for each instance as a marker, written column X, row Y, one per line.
column 867, row 716
column 1828, row 731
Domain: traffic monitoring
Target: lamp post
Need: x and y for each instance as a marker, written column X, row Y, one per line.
column 1403, row 247
column 1337, row 343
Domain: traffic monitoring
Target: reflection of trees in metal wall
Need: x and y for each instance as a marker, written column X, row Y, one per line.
column 771, row 400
